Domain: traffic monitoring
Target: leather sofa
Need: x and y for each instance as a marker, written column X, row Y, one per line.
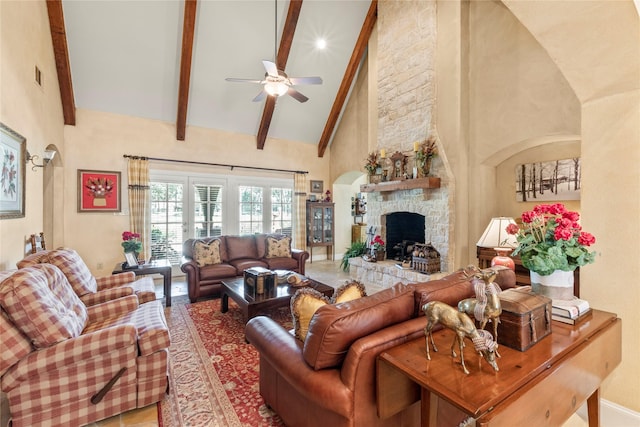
column 330, row 378
column 64, row 363
column 236, row 253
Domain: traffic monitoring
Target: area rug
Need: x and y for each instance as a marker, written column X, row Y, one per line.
column 214, row 373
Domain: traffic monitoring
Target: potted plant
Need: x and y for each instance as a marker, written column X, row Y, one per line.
column 355, row 250
column 377, row 245
column 551, row 244
column 427, row 151
column 131, row 243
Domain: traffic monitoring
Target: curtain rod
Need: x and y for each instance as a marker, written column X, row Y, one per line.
column 191, row 162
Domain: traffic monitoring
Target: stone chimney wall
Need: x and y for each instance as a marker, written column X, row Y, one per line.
column 406, row 104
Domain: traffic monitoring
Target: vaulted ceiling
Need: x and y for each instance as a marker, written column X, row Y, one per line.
column 168, row 59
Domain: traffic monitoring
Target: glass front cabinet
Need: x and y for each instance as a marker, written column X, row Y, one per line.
column 320, row 227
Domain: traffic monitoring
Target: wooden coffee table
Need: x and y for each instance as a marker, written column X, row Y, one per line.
column 544, row 385
column 251, row 307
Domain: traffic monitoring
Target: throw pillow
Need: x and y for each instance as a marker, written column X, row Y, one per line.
column 278, row 248
column 206, row 253
column 304, row 304
column 348, row 292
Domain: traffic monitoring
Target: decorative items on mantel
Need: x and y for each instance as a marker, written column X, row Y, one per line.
column 396, row 168
column 552, row 245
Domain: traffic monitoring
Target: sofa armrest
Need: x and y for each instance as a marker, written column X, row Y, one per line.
column 69, row 352
column 192, row 270
column 105, row 295
column 115, row 280
column 113, row 308
column 284, row 353
column 300, row 256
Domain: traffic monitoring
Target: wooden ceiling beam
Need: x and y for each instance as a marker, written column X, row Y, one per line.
column 349, row 75
column 188, row 30
column 61, row 55
column 281, row 62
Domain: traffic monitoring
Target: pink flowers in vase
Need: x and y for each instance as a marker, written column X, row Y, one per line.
column 552, row 239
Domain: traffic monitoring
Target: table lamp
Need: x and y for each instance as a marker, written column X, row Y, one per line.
column 495, row 236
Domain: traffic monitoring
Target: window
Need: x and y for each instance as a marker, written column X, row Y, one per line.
column 208, row 210
column 250, row 220
column 281, row 210
column 166, row 221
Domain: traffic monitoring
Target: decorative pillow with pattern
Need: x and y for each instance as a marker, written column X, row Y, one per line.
column 304, row 304
column 348, row 292
column 206, row 253
column 278, row 248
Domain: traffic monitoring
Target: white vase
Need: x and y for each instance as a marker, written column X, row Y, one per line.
column 557, row 285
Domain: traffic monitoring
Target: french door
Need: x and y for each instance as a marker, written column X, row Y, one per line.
column 201, row 206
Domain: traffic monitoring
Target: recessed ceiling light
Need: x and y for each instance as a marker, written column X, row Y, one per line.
column 321, row 43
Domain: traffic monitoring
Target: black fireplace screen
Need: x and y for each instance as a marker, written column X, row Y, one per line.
column 403, row 230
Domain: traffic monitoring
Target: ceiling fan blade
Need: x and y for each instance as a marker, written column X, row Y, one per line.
column 231, row 79
column 297, row 95
column 305, row 80
column 271, row 68
column 259, row 97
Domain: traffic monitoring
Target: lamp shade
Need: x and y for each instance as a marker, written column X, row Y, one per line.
column 495, row 235
column 276, row 88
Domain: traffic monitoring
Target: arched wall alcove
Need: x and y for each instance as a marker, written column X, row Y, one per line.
column 53, row 199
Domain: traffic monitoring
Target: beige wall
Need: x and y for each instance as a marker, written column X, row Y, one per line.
column 99, row 140
column 33, row 111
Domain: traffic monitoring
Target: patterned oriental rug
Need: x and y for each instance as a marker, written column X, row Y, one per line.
column 214, row 377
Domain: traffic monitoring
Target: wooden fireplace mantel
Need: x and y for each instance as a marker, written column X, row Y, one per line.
column 406, row 184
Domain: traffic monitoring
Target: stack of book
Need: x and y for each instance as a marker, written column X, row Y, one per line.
column 571, row 311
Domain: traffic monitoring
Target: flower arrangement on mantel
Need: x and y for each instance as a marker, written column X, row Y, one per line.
column 550, row 239
column 426, row 152
column 373, row 163
column 131, row 242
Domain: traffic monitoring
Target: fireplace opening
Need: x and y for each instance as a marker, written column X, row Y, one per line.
column 403, row 229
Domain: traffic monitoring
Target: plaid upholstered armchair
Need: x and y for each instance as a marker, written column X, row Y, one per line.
column 63, row 363
column 90, row 289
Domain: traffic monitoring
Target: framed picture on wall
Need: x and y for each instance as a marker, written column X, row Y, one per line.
column 98, row 191
column 12, row 177
column 316, row 186
column 548, row 181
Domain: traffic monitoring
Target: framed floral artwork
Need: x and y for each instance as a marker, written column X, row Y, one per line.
column 12, row 177
column 98, row 191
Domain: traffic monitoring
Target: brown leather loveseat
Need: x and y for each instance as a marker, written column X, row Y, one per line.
column 330, row 378
column 234, row 255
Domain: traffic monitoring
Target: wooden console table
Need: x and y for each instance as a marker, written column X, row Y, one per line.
column 544, row 385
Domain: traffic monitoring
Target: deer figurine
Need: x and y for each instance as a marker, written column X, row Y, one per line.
column 439, row 312
column 486, row 305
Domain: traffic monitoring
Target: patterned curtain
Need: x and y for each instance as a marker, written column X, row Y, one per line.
column 139, row 199
column 300, row 193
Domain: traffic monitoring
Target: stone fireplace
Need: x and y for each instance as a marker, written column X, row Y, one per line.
column 431, row 206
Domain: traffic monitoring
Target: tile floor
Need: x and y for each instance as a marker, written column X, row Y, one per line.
column 327, row 272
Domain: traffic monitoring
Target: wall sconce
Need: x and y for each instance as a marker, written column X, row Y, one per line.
column 46, row 158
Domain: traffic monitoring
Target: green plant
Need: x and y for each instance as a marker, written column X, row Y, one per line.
column 131, row 242
column 355, row 250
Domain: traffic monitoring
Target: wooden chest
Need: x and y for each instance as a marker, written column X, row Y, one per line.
column 525, row 318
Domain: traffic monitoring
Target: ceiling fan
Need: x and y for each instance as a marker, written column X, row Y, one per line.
column 276, row 82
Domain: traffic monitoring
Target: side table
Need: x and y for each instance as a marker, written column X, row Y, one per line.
column 544, row 385
column 161, row 266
